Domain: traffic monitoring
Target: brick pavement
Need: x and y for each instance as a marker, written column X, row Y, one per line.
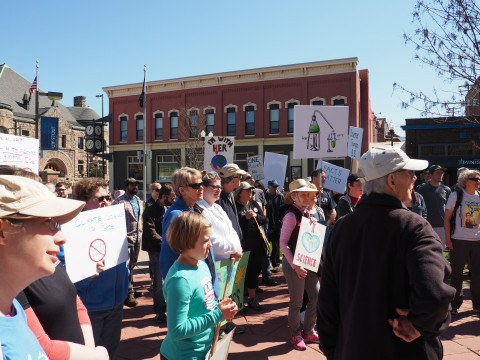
column 267, row 334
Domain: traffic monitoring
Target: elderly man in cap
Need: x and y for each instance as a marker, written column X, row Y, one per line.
column 383, row 293
column 274, row 202
column 133, row 217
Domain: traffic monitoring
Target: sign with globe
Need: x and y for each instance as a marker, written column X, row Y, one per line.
column 218, row 152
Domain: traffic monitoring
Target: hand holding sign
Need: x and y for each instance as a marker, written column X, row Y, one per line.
column 309, row 245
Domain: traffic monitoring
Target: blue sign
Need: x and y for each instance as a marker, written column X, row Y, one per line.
column 49, row 133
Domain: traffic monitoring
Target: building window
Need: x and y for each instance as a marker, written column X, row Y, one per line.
column 290, row 117
column 135, row 169
column 158, row 127
column 81, row 169
column 432, row 150
column 139, row 119
column 274, row 119
column 231, row 119
column 166, row 165
column 25, row 133
column 210, row 121
column 80, row 142
column 193, row 121
column 249, row 120
column 123, row 128
column 459, row 149
column 317, row 102
column 241, row 160
column 3, row 130
column 64, row 141
column 173, row 125
column 338, row 102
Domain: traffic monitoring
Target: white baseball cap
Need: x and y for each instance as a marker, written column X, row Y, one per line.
column 381, row 161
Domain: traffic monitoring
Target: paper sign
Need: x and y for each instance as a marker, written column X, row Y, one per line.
column 336, row 179
column 93, row 236
column 309, row 245
column 355, row 143
column 223, row 345
column 275, row 167
column 320, row 131
column 255, row 167
column 19, row 151
column 218, row 152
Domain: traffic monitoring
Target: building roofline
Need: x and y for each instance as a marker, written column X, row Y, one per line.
column 236, row 77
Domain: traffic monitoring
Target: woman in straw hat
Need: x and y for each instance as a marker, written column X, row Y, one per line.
column 298, row 279
column 30, row 236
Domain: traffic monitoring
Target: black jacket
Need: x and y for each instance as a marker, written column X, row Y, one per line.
column 378, row 258
column 252, row 239
column 152, row 227
column 274, row 202
column 227, row 202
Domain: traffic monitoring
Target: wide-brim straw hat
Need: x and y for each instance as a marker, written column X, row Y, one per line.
column 295, row 186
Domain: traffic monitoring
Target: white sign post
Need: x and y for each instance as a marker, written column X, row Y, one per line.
column 19, row 151
column 218, row 152
column 355, row 143
column 320, row 131
column 255, row 167
column 275, row 167
column 95, row 235
column 336, row 177
column 309, row 245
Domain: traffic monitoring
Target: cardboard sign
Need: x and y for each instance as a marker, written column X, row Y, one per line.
column 320, row 131
column 355, row 142
column 309, row 245
column 222, row 347
column 235, row 289
column 218, row 152
column 95, row 235
column 336, row 179
column 275, row 167
column 255, row 167
column 19, row 151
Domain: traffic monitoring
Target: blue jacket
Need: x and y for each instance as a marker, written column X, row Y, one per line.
column 106, row 291
column 167, row 255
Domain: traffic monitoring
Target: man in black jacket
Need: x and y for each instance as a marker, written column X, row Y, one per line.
column 383, row 294
column 152, row 243
column 274, row 202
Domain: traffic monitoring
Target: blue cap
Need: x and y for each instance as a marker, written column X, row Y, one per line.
column 273, row 183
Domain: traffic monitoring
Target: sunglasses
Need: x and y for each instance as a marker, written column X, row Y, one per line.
column 103, row 198
column 248, row 178
column 215, row 187
column 53, row 224
column 157, row 190
column 474, row 179
column 196, row 186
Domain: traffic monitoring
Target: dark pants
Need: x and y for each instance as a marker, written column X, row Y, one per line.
column 107, row 328
column 133, row 251
column 159, row 306
column 253, row 268
column 463, row 250
column 266, row 273
column 274, row 238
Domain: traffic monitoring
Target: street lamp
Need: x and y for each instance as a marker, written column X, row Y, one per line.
column 391, row 130
column 101, row 95
column 103, row 147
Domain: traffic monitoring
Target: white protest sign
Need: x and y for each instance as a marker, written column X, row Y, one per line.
column 222, row 347
column 309, row 245
column 320, row 131
column 336, row 177
column 355, row 142
column 275, row 167
column 218, row 152
column 255, row 167
column 93, row 236
column 19, row 151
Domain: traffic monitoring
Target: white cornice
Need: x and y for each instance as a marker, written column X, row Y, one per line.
column 238, row 77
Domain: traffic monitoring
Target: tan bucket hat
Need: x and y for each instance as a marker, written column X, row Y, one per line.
column 297, row 185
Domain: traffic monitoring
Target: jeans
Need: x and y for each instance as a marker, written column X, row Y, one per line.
column 107, row 328
column 266, row 273
column 296, row 287
column 133, row 251
column 159, row 306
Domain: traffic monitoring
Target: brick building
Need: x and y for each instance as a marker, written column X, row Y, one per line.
column 255, row 106
column 17, row 117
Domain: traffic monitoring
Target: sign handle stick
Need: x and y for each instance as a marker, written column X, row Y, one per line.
column 227, row 283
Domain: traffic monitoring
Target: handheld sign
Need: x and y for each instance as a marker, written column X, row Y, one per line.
column 309, row 245
column 336, row 177
column 19, row 151
column 95, row 235
column 255, row 167
column 355, row 143
column 218, row 152
column 275, row 167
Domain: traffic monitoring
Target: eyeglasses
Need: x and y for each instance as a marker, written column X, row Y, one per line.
column 53, row 224
column 411, row 173
column 102, row 198
column 474, row 179
column 248, row 178
column 196, row 186
column 157, row 190
column 215, row 187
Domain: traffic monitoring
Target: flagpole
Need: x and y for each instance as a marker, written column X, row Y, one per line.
column 37, row 109
column 145, row 136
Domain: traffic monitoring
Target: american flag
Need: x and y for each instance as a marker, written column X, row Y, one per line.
column 32, row 88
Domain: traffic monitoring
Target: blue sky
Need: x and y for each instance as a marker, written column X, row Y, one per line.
column 84, row 46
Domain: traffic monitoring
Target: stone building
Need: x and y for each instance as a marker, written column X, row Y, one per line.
column 17, row 117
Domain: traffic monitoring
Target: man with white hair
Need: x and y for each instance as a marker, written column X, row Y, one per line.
column 383, row 289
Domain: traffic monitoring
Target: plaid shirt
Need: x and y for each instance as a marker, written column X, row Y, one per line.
column 134, row 225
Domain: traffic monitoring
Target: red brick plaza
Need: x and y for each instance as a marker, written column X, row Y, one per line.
column 266, row 335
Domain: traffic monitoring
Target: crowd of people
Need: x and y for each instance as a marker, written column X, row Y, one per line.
column 384, row 278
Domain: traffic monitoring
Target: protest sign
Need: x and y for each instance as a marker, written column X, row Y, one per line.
column 223, row 345
column 95, row 235
column 218, row 152
column 274, row 167
column 19, row 151
column 255, row 167
column 355, row 142
column 336, row 177
column 235, row 289
column 309, row 245
column 320, row 131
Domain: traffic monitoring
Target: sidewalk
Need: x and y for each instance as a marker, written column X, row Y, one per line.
column 267, row 334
